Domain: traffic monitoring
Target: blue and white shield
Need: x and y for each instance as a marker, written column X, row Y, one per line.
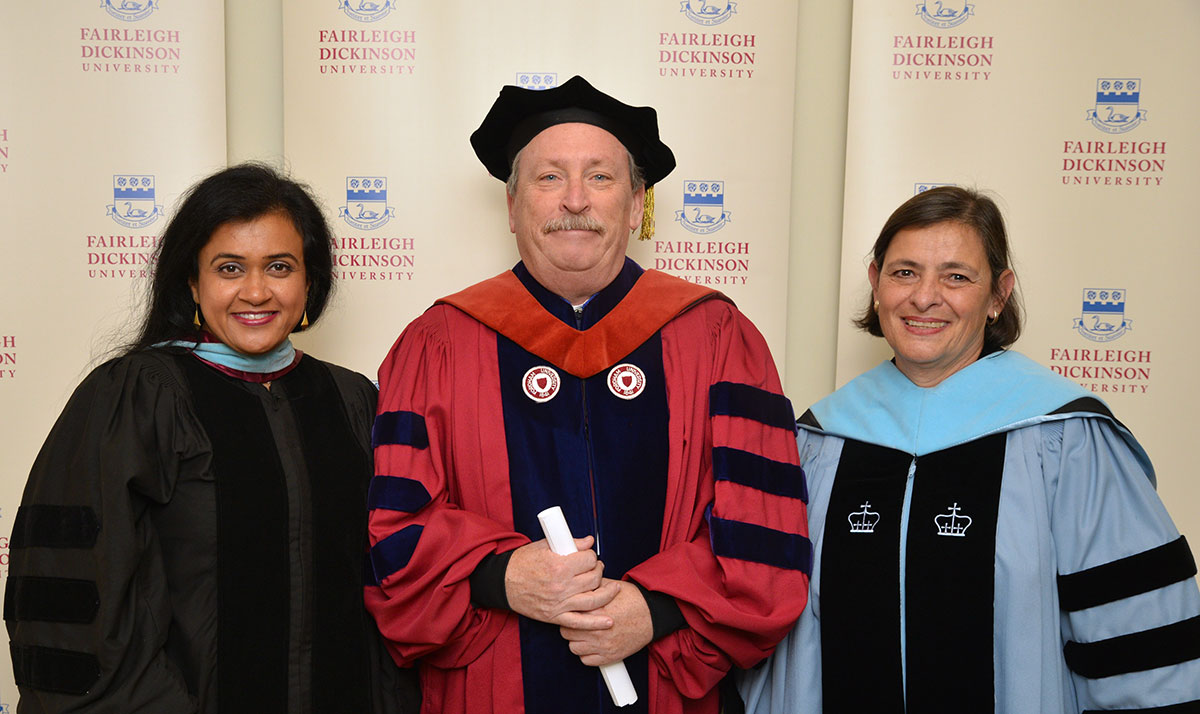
column 703, row 207
column 133, row 203
column 366, row 203
column 129, row 10
column 1117, row 109
column 951, row 13
column 1102, row 318
column 704, row 12
column 366, row 10
column 537, row 80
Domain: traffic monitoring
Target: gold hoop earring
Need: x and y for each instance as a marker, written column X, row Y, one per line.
column 995, row 316
column 875, row 306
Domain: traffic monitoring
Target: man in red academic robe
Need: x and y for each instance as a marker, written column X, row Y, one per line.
column 648, row 408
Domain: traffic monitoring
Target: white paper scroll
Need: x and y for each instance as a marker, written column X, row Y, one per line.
column 559, row 537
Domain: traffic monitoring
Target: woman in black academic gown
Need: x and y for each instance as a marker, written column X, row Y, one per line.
column 192, row 535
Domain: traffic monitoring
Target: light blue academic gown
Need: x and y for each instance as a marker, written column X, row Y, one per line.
column 1076, row 493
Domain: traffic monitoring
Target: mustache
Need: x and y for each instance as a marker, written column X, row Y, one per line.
column 573, row 222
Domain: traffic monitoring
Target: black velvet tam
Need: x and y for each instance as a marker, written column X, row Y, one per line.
column 519, row 114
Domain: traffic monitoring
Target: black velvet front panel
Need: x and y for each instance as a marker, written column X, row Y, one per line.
column 252, row 546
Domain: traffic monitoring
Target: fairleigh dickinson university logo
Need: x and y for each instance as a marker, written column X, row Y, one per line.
column 703, row 207
column 703, row 12
column 133, row 203
column 366, row 203
column 1102, row 318
column 129, row 10
column 1117, row 110
column 537, row 80
column 366, row 10
column 944, row 15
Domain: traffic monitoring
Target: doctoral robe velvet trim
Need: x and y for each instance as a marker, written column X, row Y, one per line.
column 948, row 516
column 588, row 451
column 252, row 546
column 503, row 304
column 254, row 582
column 45, row 526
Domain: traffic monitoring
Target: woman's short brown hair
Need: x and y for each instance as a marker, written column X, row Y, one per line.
column 973, row 209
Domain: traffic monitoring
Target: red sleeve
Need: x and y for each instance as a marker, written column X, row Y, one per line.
column 424, row 545
column 736, row 554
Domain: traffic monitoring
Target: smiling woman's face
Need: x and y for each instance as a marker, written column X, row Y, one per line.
column 250, row 283
column 935, row 295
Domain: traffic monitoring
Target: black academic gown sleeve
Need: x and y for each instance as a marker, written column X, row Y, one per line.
column 87, row 604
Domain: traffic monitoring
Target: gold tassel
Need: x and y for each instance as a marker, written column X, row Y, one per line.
column 196, row 317
column 648, row 216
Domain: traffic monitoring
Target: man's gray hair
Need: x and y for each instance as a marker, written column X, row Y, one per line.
column 636, row 180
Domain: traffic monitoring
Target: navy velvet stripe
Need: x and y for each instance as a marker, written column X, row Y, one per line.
column 39, row 526
column 759, row 472
column 759, row 544
column 742, row 400
column 585, row 450
column 1192, row 707
column 53, row 670
column 51, row 600
column 1136, row 652
column 403, row 428
column 1139, row 573
column 393, row 553
column 396, row 493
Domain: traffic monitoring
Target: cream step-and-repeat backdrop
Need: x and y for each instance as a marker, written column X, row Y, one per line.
column 1075, row 115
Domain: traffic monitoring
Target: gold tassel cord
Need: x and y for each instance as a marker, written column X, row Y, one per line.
column 648, row 216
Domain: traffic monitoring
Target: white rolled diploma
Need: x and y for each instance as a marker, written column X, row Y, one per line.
column 559, row 537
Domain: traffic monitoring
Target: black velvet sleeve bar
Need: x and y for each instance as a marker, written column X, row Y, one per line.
column 1134, row 575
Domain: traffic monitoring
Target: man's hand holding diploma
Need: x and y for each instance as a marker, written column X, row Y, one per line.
column 564, row 590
